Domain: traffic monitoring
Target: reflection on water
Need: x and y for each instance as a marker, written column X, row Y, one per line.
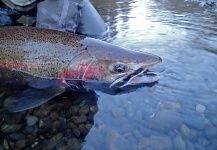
column 179, row 112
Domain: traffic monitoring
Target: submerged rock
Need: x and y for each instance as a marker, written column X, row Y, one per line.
column 179, row 143
column 21, row 143
column 200, row 108
column 9, row 128
column 160, row 142
column 31, row 120
column 5, row 20
column 185, row 130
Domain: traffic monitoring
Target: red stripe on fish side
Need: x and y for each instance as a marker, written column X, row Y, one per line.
column 83, row 71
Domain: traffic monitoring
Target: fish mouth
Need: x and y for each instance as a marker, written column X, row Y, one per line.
column 139, row 76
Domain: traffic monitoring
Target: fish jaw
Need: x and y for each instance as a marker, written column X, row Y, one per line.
column 109, row 56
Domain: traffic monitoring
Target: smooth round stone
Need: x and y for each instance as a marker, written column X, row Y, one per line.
column 17, row 136
column 74, row 109
column 54, row 115
column 115, row 141
column 31, row 120
column 211, row 132
column 84, row 110
column 138, row 116
column 32, row 129
column 143, row 143
column 179, row 143
column 132, row 140
column 185, row 130
column 137, row 134
column 76, row 131
column 118, row 112
column 160, row 142
column 73, row 143
column 194, row 121
column 200, row 108
column 9, row 128
column 81, row 119
column 21, row 143
column 94, row 109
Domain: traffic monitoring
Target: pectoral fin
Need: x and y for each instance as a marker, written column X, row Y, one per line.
column 32, row 97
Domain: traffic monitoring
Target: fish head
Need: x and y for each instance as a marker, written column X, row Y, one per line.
column 115, row 64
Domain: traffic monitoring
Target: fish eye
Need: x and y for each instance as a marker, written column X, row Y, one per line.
column 120, row 67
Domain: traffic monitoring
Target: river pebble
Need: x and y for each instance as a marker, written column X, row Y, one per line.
column 94, row 109
column 210, row 131
column 31, row 120
column 54, row 115
column 200, row 108
column 196, row 122
column 160, row 142
column 179, row 143
column 185, row 130
column 21, row 143
column 17, row 136
column 84, row 110
column 73, row 143
column 118, row 112
column 9, row 128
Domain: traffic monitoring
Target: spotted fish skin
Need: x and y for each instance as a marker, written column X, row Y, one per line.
column 49, row 61
column 37, row 51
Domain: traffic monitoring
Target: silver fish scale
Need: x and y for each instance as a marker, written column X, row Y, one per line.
column 38, row 53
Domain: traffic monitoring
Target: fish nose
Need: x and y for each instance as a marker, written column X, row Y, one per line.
column 153, row 59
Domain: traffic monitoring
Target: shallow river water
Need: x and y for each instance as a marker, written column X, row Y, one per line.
column 179, row 112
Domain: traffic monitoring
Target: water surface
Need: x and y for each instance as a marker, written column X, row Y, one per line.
column 179, row 111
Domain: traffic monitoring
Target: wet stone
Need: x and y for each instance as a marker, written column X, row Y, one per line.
column 203, row 141
column 118, row 112
column 130, row 112
column 179, row 143
column 76, row 131
column 116, row 141
column 198, row 146
column 5, row 144
column 31, row 120
column 126, row 128
column 210, row 132
column 73, row 143
column 17, row 136
column 83, row 130
column 165, row 121
column 195, row 121
column 160, row 142
column 60, row 145
column 94, row 109
column 120, row 121
column 200, row 108
column 61, row 125
column 84, row 110
column 54, row 115
column 81, row 119
column 143, row 143
column 21, row 143
column 54, row 141
column 137, row 134
column 185, row 130
column 32, row 129
column 8, row 128
column 132, row 140
column 138, row 116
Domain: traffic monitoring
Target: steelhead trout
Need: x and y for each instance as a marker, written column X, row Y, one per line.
column 47, row 62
